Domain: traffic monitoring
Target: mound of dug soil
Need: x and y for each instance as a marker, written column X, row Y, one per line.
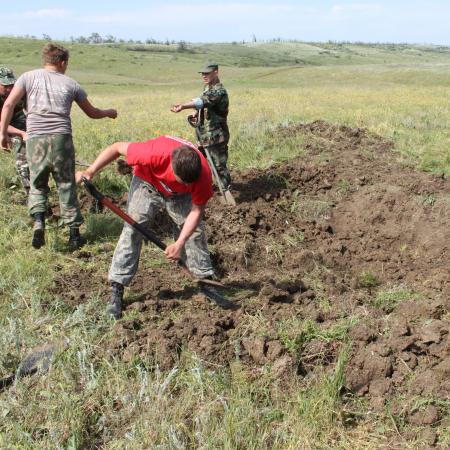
column 341, row 245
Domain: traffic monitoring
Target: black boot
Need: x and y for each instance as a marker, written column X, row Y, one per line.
column 38, row 230
column 76, row 241
column 114, row 307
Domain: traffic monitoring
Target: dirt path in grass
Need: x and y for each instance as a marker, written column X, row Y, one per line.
column 341, row 248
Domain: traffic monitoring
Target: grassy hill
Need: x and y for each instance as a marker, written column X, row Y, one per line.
column 398, row 91
column 165, row 63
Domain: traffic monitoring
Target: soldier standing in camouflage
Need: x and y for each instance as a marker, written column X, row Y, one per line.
column 17, row 127
column 211, row 120
column 49, row 97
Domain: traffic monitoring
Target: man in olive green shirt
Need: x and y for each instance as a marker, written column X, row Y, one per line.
column 17, row 128
column 210, row 120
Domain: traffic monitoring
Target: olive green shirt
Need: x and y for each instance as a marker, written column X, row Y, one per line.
column 213, row 128
column 18, row 119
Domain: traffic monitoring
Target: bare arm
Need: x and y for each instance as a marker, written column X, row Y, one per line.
column 179, row 107
column 193, row 219
column 96, row 113
column 108, row 155
column 7, row 112
column 13, row 131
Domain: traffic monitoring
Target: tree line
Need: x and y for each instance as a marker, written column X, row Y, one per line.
column 97, row 38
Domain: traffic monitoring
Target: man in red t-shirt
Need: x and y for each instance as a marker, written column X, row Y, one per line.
column 168, row 173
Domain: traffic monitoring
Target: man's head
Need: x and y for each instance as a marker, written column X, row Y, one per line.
column 186, row 164
column 55, row 55
column 210, row 72
column 7, row 80
column 7, row 77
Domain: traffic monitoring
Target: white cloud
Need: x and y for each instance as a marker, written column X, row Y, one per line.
column 194, row 15
column 356, row 8
column 47, row 14
column 119, row 18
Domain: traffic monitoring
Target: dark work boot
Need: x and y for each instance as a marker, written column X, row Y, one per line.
column 38, row 230
column 76, row 241
column 114, row 307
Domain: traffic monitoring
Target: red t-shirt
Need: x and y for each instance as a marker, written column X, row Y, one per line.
column 152, row 161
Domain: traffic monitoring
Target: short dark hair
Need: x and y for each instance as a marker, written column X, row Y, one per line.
column 54, row 53
column 186, row 164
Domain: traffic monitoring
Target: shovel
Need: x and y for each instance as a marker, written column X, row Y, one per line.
column 227, row 196
column 37, row 361
column 206, row 286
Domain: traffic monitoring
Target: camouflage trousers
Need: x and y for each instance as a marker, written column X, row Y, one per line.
column 144, row 203
column 20, row 154
column 219, row 155
column 55, row 155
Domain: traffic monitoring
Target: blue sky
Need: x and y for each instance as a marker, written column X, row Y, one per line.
column 413, row 21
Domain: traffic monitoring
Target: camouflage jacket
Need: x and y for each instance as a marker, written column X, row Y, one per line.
column 18, row 120
column 213, row 128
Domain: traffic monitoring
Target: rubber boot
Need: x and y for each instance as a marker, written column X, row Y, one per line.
column 114, row 307
column 38, row 230
column 76, row 241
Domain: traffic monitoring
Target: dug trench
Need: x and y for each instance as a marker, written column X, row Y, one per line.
column 342, row 248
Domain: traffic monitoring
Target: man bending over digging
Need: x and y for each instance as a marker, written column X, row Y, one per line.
column 168, row 173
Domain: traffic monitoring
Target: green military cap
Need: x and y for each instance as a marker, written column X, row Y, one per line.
column 209, row 67
column 6, row 76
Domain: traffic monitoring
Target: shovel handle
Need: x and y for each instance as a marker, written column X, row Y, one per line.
column 116, row 210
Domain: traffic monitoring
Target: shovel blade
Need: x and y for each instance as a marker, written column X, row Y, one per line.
column 229, row 199
column 212, row 294
column 39, row 360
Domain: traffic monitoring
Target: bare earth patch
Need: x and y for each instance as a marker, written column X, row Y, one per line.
column 342, row 237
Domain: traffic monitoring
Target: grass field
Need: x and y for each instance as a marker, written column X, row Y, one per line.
column 400, row 92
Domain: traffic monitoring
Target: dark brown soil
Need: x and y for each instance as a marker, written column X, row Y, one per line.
column 345, row 232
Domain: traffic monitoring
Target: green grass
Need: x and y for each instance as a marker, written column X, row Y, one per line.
column 367, row 280
column 399, row 92
column 402, row 99
column 387, row 300
column 295, row 333
column 396, row 91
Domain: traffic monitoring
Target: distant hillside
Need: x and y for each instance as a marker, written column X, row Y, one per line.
column 25, row 52
column 132, row 65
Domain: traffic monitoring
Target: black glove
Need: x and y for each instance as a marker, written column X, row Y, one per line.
column 123, row 168
column 193, row 120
